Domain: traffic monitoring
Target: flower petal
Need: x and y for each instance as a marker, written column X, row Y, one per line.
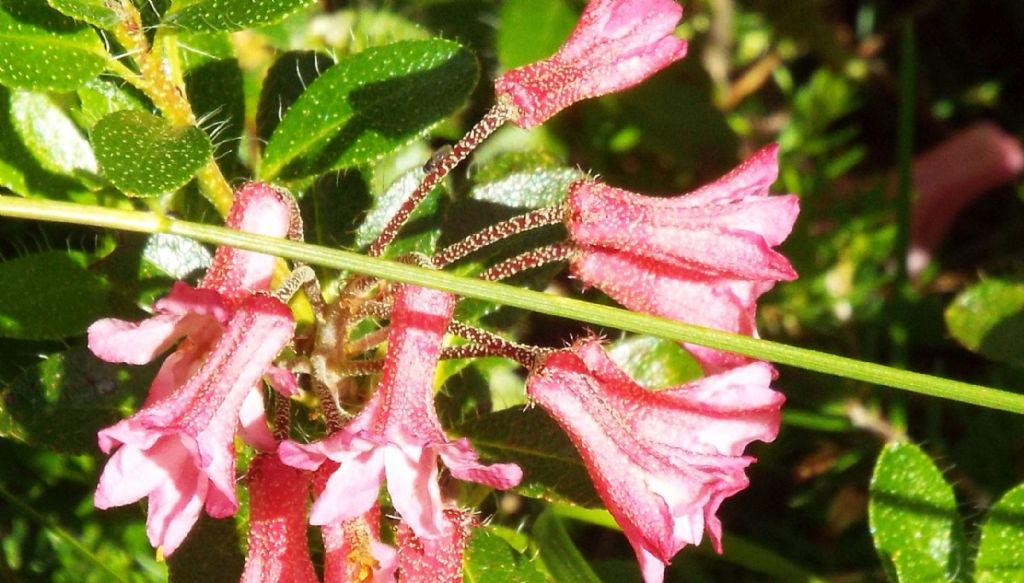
column 351, row 490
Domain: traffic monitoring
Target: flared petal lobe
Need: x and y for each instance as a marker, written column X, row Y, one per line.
column 616, row 44
column 179, row 450
column 702, row 258
column 662, row 461
column 397, row 435
column 278, row 549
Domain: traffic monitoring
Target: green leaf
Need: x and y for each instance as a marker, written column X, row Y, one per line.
column 532, row 30
column 44, row 50
column 62, row 401
column 49, row 295
column 1002, row 538
column 20, row 171
column 531, row 188
column 99, row 98
column 144, row 155
column 489, row 559
column 913, row 516
column 211, row 553
column 286, row 79
column 563, row 560
column 50, row 135
column 94, row 12
column 988, row 318
column 552, row 468
column 655, row 363
column 209, row 15
column 368, row 105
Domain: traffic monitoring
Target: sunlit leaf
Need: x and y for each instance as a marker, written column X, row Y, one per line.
column 95, row 12
column 489, row 559
column 913, row 516
column 144, row 155
column 1002, row 538
column 44, row 50
column 988, row 318
column 50, row 135
column 368, row 105
column 209, row 15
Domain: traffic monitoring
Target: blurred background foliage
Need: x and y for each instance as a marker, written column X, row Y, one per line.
column 849, row 88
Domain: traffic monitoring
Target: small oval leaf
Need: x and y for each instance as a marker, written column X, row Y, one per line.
column 94, row 12
column 489, row 559
column 532, row 30
column 144, row 155
column 913, row 515
column 988, row 318
column 44, row 50
column 49, row 295
column 1002, row 538
column 50, row 135
column 368, row 105
column 211, row 15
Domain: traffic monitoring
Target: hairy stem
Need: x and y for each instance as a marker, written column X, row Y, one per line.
column 498, row 346
column 511, row 296
column 529, row 260
column 437, row 169
column 498, row 232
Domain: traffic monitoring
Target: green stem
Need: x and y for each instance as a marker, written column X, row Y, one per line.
column 519, row 298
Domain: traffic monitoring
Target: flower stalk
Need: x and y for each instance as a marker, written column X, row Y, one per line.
column 507, row 295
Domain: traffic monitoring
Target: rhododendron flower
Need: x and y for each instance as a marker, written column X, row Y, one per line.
column 662, row 461
column 178, row 450
column 398, row 434
column 951, row 176
column 703, row 258
column 435, row 560
column 278, row 548
column 353, row 550
column 615, row 45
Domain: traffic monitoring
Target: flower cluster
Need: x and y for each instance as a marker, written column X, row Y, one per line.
column 662, row 461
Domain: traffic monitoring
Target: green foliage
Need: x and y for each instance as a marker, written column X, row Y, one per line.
column 489, row 559
column 999, row 556
column 209, row 15
column 63, row 400
column 532, row 30
column 43, row 50
column 369, row 105
column 344, row 105
column 143, row 155
column 914, row 517
column 49, row 295
column 95, row 12
column 988, row 318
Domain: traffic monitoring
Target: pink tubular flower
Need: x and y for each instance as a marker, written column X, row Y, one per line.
column 398, row 434
column 353, row 551
column 437, row 560
column 951, row 176
column 278, row 548
column 179, row 449
column 662, row 461
column 615, row 45
column 702, row 258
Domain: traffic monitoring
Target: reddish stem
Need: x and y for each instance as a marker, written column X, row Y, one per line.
column 439, row 167
column 497, row 232
column 529, row 260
